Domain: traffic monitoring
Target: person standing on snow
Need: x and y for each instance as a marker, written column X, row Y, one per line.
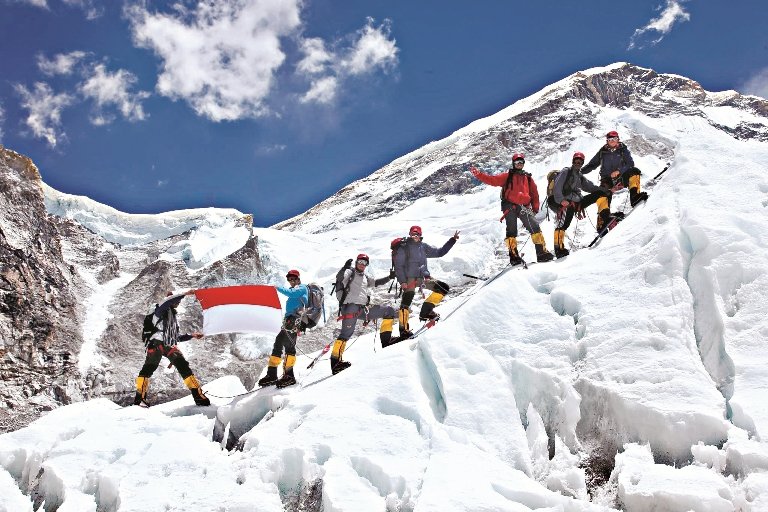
column 566, row 199
column 519, row 199
column 616, row 165
column 354, row 303
column 412, row 272
column 161, row 336
column 298, row 298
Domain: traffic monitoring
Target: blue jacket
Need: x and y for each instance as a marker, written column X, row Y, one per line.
column 298, row 297
column 609, row 161
column 411, row 260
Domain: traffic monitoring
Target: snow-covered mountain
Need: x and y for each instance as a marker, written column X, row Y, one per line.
column 626, row 376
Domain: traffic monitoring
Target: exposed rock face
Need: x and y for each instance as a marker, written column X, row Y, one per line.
column 39, row 317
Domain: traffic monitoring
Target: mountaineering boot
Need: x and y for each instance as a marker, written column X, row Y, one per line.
column 427, row 311
column 560, row 250
column 385, row 332
column 514, row 257
column 542, row 254
column 142, row 385
column 635, row 196
column 603, row 218
column 390, row 341
column 336, row 363
column 425, row 317
column 287, row 379
column 340, row 366
column 197, row 391
column 271, row 376
column 402, row 317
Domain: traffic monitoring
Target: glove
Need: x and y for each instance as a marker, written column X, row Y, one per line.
column 474, row 171
column 348, row 264
column 392, row 273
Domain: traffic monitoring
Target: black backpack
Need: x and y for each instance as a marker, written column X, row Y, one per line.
column 150, row 327
column 314, row 309
column 338, row 286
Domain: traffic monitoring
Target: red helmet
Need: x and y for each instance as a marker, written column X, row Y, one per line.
column 293, row 273
column 363, row 256
column 578, row 154
column 612, row 133
column 415, row 230
column 518, row 156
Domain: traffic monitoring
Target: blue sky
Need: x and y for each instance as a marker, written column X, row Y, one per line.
column 270, row 106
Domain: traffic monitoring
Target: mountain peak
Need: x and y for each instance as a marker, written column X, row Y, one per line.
column 570, row 114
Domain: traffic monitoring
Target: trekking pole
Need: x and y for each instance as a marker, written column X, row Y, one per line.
column 504, row 215
column 662, row 172
column 475, row 277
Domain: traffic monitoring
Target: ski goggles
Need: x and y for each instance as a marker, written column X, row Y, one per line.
column 612, row 138
column 362, row 262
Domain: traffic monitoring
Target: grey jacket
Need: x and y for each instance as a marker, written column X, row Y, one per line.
column 569, row 184
column 361, row 283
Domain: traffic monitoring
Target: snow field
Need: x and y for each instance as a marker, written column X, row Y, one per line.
column 642, row 350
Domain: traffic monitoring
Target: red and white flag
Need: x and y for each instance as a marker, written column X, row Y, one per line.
column 248, row 308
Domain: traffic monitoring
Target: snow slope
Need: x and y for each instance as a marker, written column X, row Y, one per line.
column 638, row 366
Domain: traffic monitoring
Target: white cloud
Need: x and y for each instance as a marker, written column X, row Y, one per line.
column 2, row 121
column 36, row 3
column 659, row 27
column 61, row 64
column 322, row 90
column 91, row 8
column 316, row 57
column 270, row 150
column 221, row 57
column 162, row 183
column 757, row 84
column 372, row 49
column 112, row 89
column 45, row 109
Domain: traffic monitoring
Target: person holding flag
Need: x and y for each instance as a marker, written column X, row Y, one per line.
column 161, row 337
column 298, row 298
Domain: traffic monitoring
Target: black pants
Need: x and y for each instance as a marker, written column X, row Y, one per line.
column 565, row 221
column 606, row 181
column 286, row 338
column 432, row 285
column 156, row 352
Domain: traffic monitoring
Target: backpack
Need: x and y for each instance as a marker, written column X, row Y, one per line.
column 150, row 327
column 508, row 184
column 396, row 244
column 338, row 286
column 551, row 177
column 311, row 313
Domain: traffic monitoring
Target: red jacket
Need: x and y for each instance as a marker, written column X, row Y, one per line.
column 523, row 190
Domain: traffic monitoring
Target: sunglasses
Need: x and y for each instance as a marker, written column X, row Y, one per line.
column 519, row 162
column 362, row 262
column 613, row 138
column 292, row 278
column 414, row 234
column 578, row 160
